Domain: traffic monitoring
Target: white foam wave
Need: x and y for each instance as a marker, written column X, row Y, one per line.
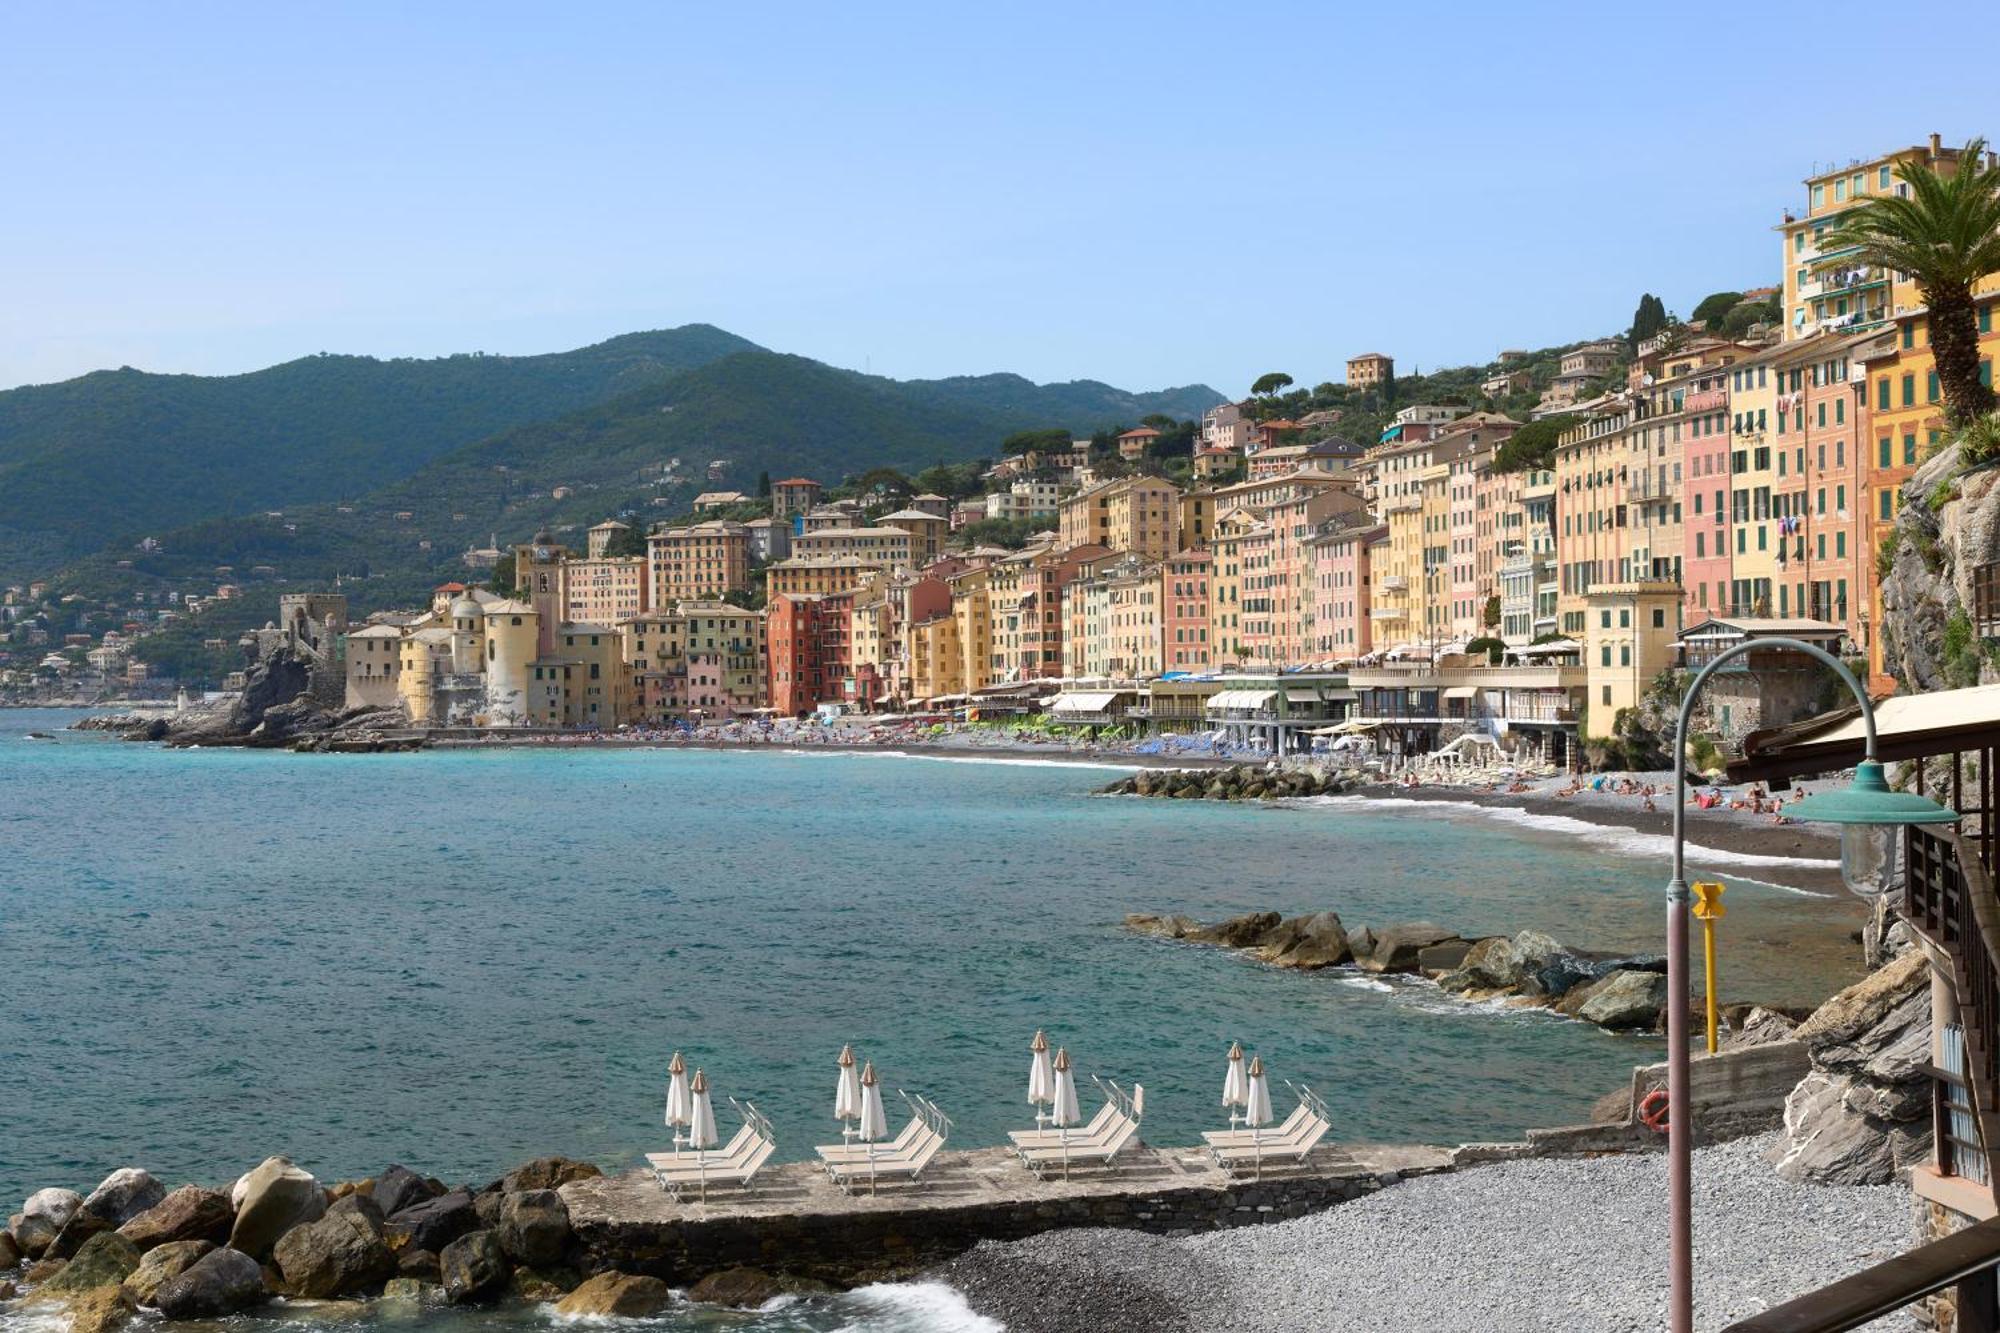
column 1018, row 761
column 1366, row 983
column 915, row 1307
column 1629, row 842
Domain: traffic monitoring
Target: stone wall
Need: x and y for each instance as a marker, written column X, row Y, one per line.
column 852, row 1247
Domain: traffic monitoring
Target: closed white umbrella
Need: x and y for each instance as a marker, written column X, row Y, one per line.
column 1041, row 1078
column 847, row 1094
column 1257, row 1110
column 680, row 1102
column 1064, row 1112
column 701, row 1125
column 1235, row 1088
column 874, row 1124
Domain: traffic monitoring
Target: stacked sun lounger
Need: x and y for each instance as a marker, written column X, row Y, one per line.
column 1110, row 1132
column 853, row 1165
column 736, row 1164
column 1292, row 1142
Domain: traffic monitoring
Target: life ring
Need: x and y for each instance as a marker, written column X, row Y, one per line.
column 1653, row 1110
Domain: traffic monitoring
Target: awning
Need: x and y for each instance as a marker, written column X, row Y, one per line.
column 1095, row 701
column 1461, row 692
column 1241, row 699
column 1340, row 696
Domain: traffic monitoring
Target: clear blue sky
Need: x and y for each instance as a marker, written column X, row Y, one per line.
column 1146, row 194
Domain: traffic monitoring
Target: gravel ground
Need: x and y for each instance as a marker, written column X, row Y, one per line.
column 1513, row 1247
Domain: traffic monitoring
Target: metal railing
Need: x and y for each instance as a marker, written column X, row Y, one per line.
column 1964, row 1260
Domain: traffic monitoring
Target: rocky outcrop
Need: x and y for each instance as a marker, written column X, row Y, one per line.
column 1863, row 1113
column 1947, row 525
column 1237, row 782
column 432, row 1224
column 739, row 1288
column 1614, row 992
column 222, row 1282
column 547, row 1173
column 273, row 1199
column 105, row 1260
column 123, row 1195
column 620, row 1294
column 43, row 1216
column 100, row 1310
column 189, row 1213
column 162, row 1264
column 399, row 1187
column 534, row 1228
column 474, row 1268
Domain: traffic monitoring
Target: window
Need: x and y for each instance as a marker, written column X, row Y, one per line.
column 1624, row 654
column 1840, row 545
column 1659, row 618
column 1909, row 391
column 1884, row 447
column 1883, row 496
column 1606, row 653
column 1882, row 394
column 1881, row 179
column 1931, row 387
column 1986, row 319
column 1909, row 335
column 1909, row 448
column 1624, row 618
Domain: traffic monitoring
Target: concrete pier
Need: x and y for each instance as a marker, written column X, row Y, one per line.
column 796, row 1221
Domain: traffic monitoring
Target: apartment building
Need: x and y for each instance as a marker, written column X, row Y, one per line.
column 1370, row 370
column 1340, row 552
column 701, row 560
column 1184, row 620
column 1592, row 474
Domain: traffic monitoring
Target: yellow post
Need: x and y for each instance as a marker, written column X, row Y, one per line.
column 1707, row 909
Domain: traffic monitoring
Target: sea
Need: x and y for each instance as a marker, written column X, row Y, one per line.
column 462, row 959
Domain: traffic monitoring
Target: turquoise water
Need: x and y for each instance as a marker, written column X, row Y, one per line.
column 460, row 960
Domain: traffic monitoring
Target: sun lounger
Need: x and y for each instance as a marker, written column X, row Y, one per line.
column 1124, row 1130
column 674, row 1161
column 1226, row 1138
column 848, row 1152
column 1237, row 1158
column 908, row 1164
column 736, row 1165
column 1099, row 1124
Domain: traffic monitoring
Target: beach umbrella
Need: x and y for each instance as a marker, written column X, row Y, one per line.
column 701, row 1125
column 1235, row 1088
column 1257, row 1109
column 874, row 1124
column 1064, row 1112
column 680, row 1102
column 847, row 1094
column 1041, row 1076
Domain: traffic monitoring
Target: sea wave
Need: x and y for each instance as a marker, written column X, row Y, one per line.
column 1630, row 842
column 915, row 1307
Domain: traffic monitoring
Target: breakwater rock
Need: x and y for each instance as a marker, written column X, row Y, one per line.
column 1622, row 992
column 199, row 1253
column 1237, row 782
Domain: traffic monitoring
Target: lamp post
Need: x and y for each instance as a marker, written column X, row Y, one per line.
column 1869, row 815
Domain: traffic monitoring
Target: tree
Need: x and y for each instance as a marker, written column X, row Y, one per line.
column 1648, row 319
column 501, row 580
column 1713, row 307
column 1533, row 447
column 764, row 485
column 1039, row 441
column 1275, row 382
column 1945, row 234
column 626, row 541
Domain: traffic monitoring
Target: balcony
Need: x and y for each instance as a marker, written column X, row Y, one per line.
column 1392, row 583
column 1387, row 613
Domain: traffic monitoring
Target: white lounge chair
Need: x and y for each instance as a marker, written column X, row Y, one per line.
column 1098, row 1152
column 849, row 1152
column 737, row 1147
column 1100, row 1124
column 1229, row 1138
column 1294, row 1145
column 736, row 1166
column 906, row 1165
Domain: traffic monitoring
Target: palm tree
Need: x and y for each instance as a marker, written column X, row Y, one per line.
column 1945, row 234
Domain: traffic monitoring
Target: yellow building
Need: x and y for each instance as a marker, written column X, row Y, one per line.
column 700, row 560
column 1369, row 370
column 1821, row 291
column 1763, row 487
column 1593, row 544
column 803, row 576
column 582, row 683
column 1631, row 635
column 1139, row 514
column 934, row 656
column 972, row 609
column 603, row 590
column 928, row 532
column 1235, row 530
column 883, row 547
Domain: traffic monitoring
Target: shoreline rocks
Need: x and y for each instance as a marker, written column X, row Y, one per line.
column 1620, row 993
column 1237, row 782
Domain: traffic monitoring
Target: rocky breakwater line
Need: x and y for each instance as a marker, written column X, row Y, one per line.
column 1237, row 782
column 1616, row 991
column 276, row 710
column 199, row 1253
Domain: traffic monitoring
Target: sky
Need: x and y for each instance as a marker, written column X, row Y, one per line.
column 1146, row 194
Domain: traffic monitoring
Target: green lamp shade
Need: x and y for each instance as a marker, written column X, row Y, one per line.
column 1869, row 815
column 1868, row 800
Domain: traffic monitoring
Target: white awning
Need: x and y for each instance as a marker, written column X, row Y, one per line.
column 1095, row 701
column 1241, row 699
column 1340, row 696
column 1461, row 692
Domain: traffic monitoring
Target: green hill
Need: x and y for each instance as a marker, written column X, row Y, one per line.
column 643, row 454
column 117, row 455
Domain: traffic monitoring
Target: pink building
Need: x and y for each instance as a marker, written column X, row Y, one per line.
column 1184, row 611
column 1706, row 561
column 1288, row 576
column 1341, row 559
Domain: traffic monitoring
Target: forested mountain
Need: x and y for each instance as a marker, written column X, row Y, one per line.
column 644, row 454
column 117, row 455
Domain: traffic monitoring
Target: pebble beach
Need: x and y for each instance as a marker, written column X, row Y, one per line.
column 1528, row 1246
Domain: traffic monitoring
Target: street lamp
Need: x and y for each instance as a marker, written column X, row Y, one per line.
column 1869, row 815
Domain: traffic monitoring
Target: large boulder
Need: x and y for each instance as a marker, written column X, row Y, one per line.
column 1440, row 959
column 1173, row 926
column 1488, row 964
column 474, row 1268
column 432, row 1224
column 1544, row 967
column 105, row 1260
column 1624, row 1000
column 1758, row 1026
column 534, row 1228
column 162, row 1264
column 1878, row 1028
column 1310, row 942
column 43, row 1216
column 1239, row 932
column 621, row 1294
column 340, row 1254
column 547, row 1173
column 10, row 1253
column 276, row 1197
column 80, row 1228
column 1832, row 1135
column 219, row 1283
column 399, row 1187
column 123, row 1195
column 100, row 1310
column 740, row 1288
column 1398, row 947
column 189, row 1213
